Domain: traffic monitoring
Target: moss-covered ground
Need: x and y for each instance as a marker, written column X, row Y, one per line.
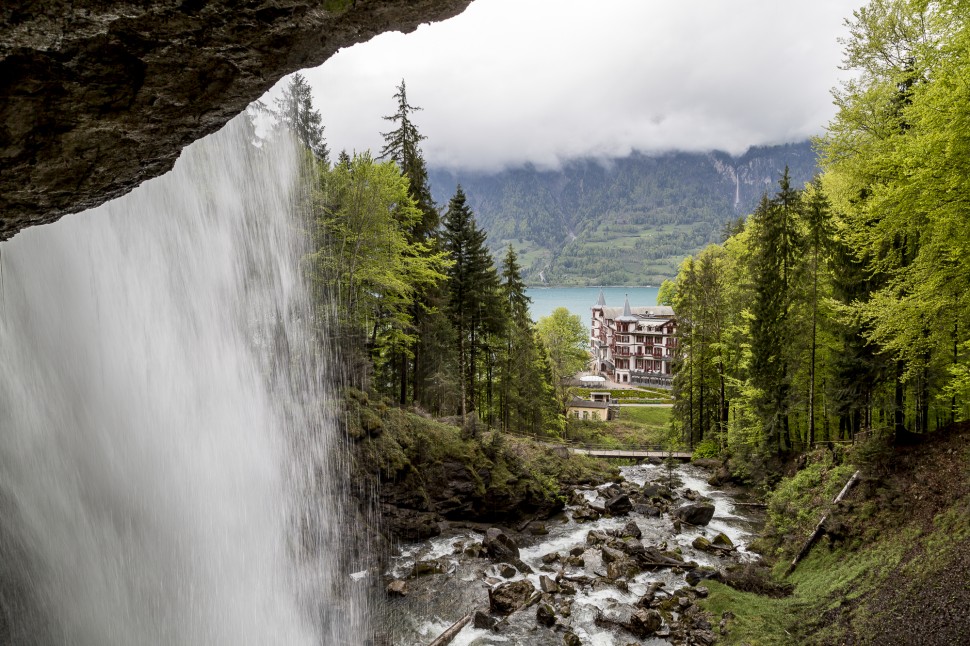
column 468, row 472
column 893, row 566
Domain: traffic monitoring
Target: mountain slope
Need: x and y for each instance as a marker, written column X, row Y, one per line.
column 629, row 221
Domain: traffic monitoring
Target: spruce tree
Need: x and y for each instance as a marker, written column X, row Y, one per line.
column 774, row 261
column 403, row 146
column 524, row 388
column 473, row 306
column 295, row 111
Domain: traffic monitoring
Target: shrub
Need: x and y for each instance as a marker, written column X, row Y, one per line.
column 708, row 448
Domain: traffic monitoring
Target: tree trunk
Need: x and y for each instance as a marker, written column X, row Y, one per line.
column 807, row 547
column 899, row 413
column 446, row 637
column 811, row 367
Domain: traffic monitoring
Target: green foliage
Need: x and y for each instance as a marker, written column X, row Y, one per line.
column 527, row 401
column 403, row 146
column 798, row 502
column 410, row 451
column 641, row 395
column 896, row 170
column 364, row 261
column 707, row 448
column 474, row 305
column 648, row 415
column 566, row 340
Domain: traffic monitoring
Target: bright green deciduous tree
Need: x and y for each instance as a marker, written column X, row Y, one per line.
column 364, row 258
column 566, row 341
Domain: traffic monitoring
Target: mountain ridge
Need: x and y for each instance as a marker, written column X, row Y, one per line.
column 622, row 221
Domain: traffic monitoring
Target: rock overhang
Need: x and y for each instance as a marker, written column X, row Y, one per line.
column 98, row 96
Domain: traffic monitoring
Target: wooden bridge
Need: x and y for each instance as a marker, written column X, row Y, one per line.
column 642, row 452
column 631, row 454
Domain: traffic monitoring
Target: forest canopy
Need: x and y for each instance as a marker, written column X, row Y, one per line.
column 840, row 307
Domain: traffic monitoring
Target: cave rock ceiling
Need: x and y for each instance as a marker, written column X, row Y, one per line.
column 98, row 96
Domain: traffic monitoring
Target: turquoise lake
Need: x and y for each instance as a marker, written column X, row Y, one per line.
column 579, row 300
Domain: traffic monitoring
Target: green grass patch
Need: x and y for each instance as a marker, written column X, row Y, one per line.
column 828, row 584
column 630, row 395
column 658, row 416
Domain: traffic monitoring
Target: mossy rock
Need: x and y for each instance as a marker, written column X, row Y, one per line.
column 370, row 422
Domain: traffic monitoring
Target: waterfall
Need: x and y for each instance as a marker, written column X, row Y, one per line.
column 169, row 466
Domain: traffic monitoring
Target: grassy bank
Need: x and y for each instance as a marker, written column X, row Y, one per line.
column 636, row 426
column 465, row 472
column 892, row 567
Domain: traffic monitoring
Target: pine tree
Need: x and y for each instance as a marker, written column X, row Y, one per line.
column 774, row 261
column 295, row 111
column 473, row 307
column 524, row 388
column 403, row 146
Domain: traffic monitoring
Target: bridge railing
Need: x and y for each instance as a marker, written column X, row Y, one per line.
column 575, row 444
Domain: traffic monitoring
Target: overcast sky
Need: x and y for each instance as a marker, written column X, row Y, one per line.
column 514, row 81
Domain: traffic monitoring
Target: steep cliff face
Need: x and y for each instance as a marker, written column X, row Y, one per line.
column 97, row 96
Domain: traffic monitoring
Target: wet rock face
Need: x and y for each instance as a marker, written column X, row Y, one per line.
column 98, row 96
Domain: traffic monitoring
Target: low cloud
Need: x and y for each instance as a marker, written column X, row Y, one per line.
column 531, row 81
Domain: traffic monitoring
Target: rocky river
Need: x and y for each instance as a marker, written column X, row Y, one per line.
column 623, row 564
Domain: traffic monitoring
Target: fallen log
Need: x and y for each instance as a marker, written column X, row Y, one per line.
column 452, row 632
column 807, row 547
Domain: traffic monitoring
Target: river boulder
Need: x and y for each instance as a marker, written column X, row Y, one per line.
column 509, row 597
column 649, row 511
column 697, row 513
column 697, row 575
column 571, row 639
column 548, row 585
column 619, row 505
column 424, row 568
column 546, row 614
column 631, row 529
column 645, row 622
column 657, row 492
column 632, row 546
column 499, row 545
column 701, row 543
column 641, row 622
column 483, row 621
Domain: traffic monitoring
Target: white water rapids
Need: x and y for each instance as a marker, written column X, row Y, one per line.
column 168, row 470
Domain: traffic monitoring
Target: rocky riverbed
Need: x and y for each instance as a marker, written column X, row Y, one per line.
column 624, row 563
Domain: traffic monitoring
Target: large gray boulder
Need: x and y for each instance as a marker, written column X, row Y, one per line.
column 641, row 622
column 619, row 505
column 499, row 545
column 696, row 513
column 509, row 597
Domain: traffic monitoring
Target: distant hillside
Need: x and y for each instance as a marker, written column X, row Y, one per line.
column 628, row 222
